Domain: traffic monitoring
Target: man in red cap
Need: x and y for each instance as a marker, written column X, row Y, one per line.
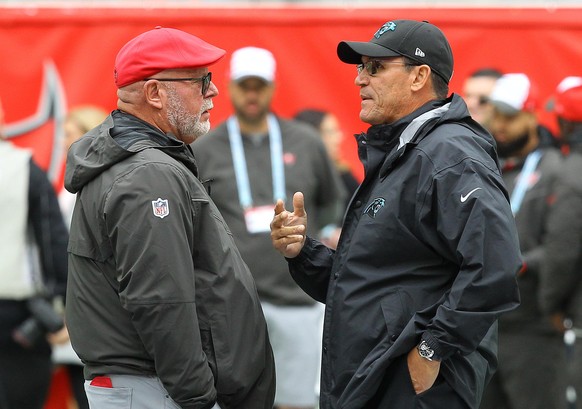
column 561, row 274
column 530, row 166
column 161, row 307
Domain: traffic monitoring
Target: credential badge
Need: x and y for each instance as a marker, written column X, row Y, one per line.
column 161, row 207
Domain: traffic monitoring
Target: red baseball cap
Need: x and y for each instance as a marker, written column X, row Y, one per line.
column 162, row 49
column 568, row 99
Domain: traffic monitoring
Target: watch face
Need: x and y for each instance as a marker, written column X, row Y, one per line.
column 425, row 351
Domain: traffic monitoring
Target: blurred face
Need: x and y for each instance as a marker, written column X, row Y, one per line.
column 72, row 133
column 187, row 110
column 386, row 95
column 476, row 93
column 512, row 132
column 251, row 99
column 331, row 134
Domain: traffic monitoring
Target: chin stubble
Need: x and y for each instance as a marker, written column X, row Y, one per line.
column 187, row 123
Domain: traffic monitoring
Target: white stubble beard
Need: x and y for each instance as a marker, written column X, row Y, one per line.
column 188, row 125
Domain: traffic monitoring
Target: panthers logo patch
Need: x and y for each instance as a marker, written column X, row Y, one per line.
column 374, row 207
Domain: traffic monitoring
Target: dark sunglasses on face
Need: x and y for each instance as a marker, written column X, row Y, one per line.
column 483, row 100
column 373, row 66
column 206, row 79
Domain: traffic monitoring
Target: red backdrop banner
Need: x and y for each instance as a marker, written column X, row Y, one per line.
column 54, row 59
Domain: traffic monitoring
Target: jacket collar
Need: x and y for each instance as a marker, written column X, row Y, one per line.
column 134, row 135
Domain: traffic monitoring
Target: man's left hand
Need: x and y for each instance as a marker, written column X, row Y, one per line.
column 423, row 372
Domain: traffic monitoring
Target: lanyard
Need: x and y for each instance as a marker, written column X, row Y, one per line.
column 240, row 164
column 522, row 184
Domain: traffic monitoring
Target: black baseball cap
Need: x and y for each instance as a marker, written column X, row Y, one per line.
column 420, row 41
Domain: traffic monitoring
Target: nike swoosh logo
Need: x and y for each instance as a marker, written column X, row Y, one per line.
column 464, row 198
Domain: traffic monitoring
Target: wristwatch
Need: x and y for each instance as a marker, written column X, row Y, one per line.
column 425, row 351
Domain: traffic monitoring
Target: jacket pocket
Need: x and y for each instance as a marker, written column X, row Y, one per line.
column 209, row 351
column 108, row 398
column 202, row 207
column 397, row 308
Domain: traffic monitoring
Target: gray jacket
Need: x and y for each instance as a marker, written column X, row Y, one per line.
column 561, row 271
column 534, row 221
column 157, row 285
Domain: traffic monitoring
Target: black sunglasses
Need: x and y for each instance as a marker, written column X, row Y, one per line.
column 373, row 66
column 205, row 81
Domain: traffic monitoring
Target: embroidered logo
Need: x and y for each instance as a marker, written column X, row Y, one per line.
column 388, row 26
column 465, row 197
column 289, row 158
column 374, row 207
column 161, row 207
column 419, row 52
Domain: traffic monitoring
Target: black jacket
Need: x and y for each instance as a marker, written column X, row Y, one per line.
column 429, row 250
column 156, row 283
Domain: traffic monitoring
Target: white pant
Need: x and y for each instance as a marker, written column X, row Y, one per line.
column 295, row 333
column 131, row 392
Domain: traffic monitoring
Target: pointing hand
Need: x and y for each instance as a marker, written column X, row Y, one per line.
column 288, row 229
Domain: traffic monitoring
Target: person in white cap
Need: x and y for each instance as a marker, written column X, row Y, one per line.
column 160, row 308
column 428, row 253
column 252, row 160
column 561, row 277
column 530, row 348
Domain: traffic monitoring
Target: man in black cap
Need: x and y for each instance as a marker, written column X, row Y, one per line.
column 429, row 252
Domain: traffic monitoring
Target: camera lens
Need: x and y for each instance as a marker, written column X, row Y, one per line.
column 28, row 333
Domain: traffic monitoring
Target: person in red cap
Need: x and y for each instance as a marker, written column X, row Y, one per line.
column 530, row 166
column 561, row 274
column 428, row 254
column 161, row 308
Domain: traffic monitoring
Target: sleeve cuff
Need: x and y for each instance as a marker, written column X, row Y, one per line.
column 432, row 342
column 303, row 254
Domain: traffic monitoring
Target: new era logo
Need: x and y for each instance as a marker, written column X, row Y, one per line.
column 419, row 52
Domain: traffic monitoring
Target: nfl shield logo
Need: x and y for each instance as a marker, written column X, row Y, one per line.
column 161, row 208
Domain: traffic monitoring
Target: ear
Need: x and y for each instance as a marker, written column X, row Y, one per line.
column 532, row 121
column 421, row 77
column 154, row 94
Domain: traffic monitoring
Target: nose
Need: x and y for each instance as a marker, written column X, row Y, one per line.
column 212, row 91
column 361, row 80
